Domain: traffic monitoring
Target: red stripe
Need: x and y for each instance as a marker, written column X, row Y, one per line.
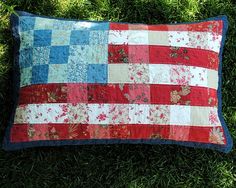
column 183, row 56
column 24, row 132
column 162, row 55
column 207, row 26
column 116, row 93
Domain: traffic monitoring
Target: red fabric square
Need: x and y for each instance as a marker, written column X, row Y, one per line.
column 99, row 131
column 179, row 133
column 38, row 132
column 118, row 93
column 118, row 26
column 160, row 94
column 19, row 133
column 139, row 54
column 77, row 93
column 98, row 93
column 139, row 94
column 118, row 53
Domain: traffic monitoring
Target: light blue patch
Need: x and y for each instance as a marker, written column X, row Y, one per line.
column 99, row 26
column 97, row 54
column 63, row 25
column 98, row 37
column 97, row 73
column 27, row 39
column 41, row 55
column 43, row 23
column 77, row 73
column 60, row 37
column 79, row 54
column 88, row 54
column 25, row 57
column 86, row 25
column 26, row 76
column 26, row 23
column 57, row 73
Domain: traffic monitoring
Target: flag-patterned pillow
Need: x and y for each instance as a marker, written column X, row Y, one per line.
column 85, row 82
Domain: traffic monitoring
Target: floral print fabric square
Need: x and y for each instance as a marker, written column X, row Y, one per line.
column 84, row 82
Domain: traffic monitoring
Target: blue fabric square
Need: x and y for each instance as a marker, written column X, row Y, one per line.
column 79, row 37
column 42, row 37
column 26, row 57
column 26, row 23
column 39, row 74
column 97, row 73
column 59, row 54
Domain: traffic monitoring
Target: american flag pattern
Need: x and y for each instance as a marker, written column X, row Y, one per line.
column 84, row 80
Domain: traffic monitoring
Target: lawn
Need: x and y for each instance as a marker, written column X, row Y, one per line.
column 131, row 166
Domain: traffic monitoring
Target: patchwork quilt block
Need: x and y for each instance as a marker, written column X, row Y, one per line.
column 85, row 82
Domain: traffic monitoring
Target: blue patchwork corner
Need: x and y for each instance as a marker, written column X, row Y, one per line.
column 26, row 23
column 97, row 73
column 39, row 74
column 42, row 37
column 59, row 55
column 78, row 37
column 26, row 57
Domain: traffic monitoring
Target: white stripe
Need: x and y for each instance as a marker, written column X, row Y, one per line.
column 190, row 39
column 117, row 114
column 162, row 74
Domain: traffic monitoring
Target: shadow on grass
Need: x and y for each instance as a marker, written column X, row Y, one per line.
column 124, row 165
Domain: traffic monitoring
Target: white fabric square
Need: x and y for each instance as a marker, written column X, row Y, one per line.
column 118, row 73
column 138, row 114
column 21, row 114
column 98, row 113
column 138, row 37
column 159, row 74
column 180, row 75
column 118, row 37
column 180, row 115
column 178, row 38
column 198, row 76
column 198, row 40
column 214, row 42
column 78, row 113
column 213, row 78
column 47, row 113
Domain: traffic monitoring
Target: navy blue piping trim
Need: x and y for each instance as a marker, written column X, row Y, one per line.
column 7, row 145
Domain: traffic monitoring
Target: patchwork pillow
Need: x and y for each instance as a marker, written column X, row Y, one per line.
column 86, row 82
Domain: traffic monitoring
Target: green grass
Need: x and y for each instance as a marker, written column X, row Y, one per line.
column 134, row 166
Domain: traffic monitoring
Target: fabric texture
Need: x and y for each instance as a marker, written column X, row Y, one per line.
column 85, row 82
